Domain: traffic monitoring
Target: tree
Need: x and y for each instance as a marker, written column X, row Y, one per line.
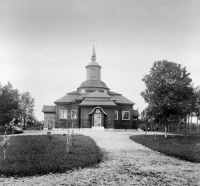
column 26, row 106
column 9, row 99
column 169, row 92
column 197, row 106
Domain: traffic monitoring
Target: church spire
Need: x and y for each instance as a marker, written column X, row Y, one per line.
column 93, row 55
column 93, row 51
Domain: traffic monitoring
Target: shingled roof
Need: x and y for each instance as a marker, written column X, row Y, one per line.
column 97, row 94
column 122, row 100
column 68, row 98
column 80, row 97
column 72, row 97
column 93, row 84
column 49, row 109
column 92, row 99
column 97, row 103
column 114, row 93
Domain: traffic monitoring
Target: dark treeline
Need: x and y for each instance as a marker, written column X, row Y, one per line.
column 15, row 106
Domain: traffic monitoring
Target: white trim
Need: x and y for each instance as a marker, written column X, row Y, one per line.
column 63, row 115
column 123, row 112
column 116, row 111
column 98, row 108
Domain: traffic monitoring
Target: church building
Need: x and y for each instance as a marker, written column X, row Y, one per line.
column 92, row 106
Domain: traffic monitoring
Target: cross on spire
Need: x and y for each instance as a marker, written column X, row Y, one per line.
column 93, row 40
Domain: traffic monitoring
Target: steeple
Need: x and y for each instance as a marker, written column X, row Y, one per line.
column 93, row 77
column 93, row 69
column 93, row 55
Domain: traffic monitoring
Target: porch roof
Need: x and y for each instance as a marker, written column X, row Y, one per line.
column 97, row 103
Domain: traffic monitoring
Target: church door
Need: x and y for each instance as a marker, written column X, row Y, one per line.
column 97, row 120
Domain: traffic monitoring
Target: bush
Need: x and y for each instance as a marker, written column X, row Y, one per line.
column 9, row 131
column 31, row 155
column 179, row 146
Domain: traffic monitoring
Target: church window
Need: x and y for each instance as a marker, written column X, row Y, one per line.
column 63, row 114
column 125, row 115
column 116, row 115
column 73, row 114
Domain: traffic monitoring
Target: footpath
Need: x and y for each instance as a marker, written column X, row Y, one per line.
column 125, row 163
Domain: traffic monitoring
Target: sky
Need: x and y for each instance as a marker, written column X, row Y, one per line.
column 46, row 44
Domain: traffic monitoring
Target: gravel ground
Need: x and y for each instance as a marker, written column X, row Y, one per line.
column 125, row 163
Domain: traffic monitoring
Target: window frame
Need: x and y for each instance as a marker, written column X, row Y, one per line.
column 116, row 112
column 61, row 116
column 123, row 113
column 71, row 114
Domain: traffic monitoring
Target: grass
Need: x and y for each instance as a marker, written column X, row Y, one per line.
column 179, row 146
column 37, row 155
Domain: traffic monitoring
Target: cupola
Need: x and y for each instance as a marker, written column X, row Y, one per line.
column 93, row 76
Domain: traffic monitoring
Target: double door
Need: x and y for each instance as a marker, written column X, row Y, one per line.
column 97, row 120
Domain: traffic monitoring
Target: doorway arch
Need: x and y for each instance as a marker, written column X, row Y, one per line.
column 98, row 117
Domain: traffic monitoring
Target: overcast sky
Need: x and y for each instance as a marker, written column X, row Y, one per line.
column 45, row 44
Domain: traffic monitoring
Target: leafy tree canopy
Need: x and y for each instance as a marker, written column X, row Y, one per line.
column 26, row 106
column 197, row 102
column 9, row 99
column 13, row 104
column 169, row 90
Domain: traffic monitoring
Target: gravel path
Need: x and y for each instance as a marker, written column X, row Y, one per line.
column 125, row 163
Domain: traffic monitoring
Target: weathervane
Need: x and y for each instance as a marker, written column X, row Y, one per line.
column 93, row 40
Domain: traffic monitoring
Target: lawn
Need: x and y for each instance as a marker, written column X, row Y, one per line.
column 36, row 155
column 179, row 146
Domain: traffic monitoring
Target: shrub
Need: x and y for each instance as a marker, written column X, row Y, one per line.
column 9, row 131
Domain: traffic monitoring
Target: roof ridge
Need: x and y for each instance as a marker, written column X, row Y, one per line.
column 49, row 105
column 72, row 93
